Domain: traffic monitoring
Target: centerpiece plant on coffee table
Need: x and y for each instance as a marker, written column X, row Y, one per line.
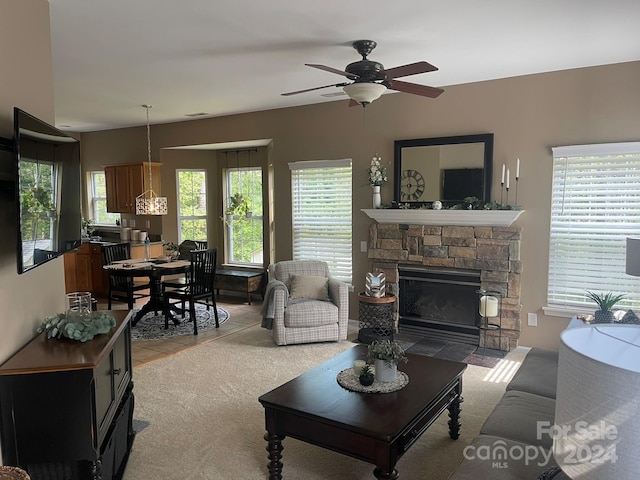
column 386, row 354
column 366, row 377
column 605, row 302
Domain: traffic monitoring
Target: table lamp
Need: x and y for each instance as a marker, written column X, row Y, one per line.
column 597, row 420
column 633, row 257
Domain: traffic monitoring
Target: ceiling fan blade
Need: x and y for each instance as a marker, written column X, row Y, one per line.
column 409, row 69
column 312, row 89
column 332, row 70
column 415, row 89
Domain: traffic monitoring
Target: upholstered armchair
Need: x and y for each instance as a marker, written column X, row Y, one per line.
column 303, row 304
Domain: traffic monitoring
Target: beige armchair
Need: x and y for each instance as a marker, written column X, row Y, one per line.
column 303, row 304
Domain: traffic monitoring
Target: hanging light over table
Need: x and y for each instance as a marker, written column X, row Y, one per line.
column 148, row 203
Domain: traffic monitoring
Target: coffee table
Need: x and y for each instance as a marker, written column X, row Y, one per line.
column 375, row 427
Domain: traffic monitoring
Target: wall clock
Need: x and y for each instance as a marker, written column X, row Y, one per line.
column 412, row 185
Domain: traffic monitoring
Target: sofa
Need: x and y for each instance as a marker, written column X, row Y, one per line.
column 515, row 440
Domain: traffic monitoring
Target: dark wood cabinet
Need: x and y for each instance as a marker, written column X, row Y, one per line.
column 67, row 406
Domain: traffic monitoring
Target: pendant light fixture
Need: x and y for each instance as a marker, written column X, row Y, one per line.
column 148, row 203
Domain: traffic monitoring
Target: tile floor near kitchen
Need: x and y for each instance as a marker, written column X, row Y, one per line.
column 242, row 315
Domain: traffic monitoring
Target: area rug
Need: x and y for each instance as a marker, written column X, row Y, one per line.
column 151, row 326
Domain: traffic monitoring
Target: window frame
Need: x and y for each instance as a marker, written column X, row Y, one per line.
column 181, row 217
column 92, row 198
column 336, row 247
column 255, row 219
column 595, row 198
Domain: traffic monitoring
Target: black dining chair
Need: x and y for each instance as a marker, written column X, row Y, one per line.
column 121, row 287
column 184, row 249
column 198, row 288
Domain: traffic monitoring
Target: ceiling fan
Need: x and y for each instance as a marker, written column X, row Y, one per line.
column 369, row 79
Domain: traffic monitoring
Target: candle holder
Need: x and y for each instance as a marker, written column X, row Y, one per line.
column 517, row 179
column 507, row 202
column 501, row 192
column 490, row 306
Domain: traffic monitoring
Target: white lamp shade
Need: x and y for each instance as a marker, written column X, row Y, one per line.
column 633, row 257
column 364, row 92
column 488, row 306
column 597, row 422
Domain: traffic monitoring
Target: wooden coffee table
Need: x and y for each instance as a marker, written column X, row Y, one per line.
column 375, row 427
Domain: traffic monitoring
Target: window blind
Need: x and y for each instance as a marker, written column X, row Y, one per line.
column 321, row 214
column 595, row 207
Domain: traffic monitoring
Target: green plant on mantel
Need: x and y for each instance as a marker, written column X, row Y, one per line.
column 390, row 351
column 474, row 202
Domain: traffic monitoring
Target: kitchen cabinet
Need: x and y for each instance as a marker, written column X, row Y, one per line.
column 125, row 182
column 83, row 270
column 67, row 406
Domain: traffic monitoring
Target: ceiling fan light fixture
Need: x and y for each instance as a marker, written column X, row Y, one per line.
column 364, row 92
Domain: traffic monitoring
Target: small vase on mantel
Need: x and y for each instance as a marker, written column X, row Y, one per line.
column 376, row 196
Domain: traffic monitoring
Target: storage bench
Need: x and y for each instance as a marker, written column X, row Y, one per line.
column 248, row 281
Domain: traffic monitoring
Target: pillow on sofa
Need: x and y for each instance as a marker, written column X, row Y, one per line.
column 309, row 286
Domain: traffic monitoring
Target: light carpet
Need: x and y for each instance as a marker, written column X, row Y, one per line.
column 151, row 326
column 205, row 421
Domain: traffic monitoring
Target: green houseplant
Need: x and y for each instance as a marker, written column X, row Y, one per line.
column 605, row 302
column 386, row 354
column 238, row 207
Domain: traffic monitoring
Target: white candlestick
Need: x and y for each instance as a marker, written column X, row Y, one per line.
column 488, row 306
column 502, row 181
column 518, row 169
column 507, row 179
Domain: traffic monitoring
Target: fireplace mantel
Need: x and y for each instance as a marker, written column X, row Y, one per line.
column 475, row 218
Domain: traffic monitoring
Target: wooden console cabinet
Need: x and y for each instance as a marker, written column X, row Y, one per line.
column 66, row 407
column 125, row 182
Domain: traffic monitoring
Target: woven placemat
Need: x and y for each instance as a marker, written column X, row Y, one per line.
column 347, row 379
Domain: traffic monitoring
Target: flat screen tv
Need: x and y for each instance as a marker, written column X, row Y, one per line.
column 48, row 191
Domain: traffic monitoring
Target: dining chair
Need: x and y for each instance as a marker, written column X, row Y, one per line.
column 198, row 288
column 121, row 287
column 186, row 247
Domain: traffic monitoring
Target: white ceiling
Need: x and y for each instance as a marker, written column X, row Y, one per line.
column 228, row 57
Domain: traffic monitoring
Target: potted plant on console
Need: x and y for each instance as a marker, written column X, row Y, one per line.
column 605, row 302
column 386, row 354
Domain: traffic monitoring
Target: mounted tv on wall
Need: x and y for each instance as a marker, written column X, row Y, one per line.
column 48, row 191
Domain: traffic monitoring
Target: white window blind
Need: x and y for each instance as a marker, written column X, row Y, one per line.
column 321, row 216
column 595, row 207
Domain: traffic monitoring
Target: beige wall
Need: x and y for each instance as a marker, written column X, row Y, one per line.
column 26, row 79
column 528, row 115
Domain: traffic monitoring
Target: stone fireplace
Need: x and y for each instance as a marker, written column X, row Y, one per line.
column 458, row 260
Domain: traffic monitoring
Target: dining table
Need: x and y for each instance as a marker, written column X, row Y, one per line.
column 155, row 270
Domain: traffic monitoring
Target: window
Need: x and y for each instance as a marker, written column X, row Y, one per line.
column 98, row 201
column 321, row 199
column 192, row 204
column 244, row 226
column 595, row 207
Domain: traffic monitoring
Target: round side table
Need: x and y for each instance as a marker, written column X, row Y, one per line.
column 376, row 318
